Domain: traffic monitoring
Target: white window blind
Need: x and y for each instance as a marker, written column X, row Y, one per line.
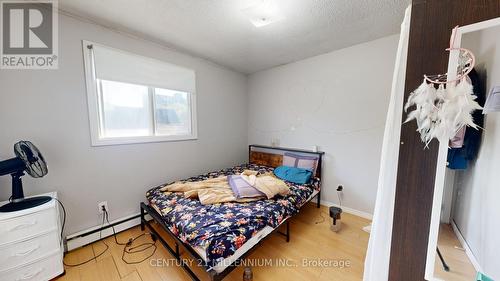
column 116, row 65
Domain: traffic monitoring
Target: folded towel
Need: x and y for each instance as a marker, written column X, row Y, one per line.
column 242, row 189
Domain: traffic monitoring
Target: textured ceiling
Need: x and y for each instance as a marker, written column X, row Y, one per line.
column 219, row 31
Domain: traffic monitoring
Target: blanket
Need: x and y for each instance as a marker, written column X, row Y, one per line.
column 217, row 190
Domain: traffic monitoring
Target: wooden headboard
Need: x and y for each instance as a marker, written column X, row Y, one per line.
column 273, row 156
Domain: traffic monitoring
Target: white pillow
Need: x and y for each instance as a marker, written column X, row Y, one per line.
column 301, row 161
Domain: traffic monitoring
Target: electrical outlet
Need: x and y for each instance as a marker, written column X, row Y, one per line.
column 101, row 205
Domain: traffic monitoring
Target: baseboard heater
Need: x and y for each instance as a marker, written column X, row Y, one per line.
column 97, row 233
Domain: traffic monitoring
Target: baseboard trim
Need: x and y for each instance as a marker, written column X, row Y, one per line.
column 349, row 210
column 91, row 235
column 464, row 244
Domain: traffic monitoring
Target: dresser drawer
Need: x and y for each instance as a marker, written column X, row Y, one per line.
column 24, row 252
column 42, row 270
column 20, row 228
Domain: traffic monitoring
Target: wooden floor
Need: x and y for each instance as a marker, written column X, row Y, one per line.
column 461, row 268
column 311, row 238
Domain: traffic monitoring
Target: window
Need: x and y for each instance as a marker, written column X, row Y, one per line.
column 134, row 99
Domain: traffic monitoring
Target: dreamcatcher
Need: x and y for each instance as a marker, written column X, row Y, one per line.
column 443, row 111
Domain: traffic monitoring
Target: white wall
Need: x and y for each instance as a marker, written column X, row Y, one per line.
column 50, row 109
column 337, row 101
column 476, row 211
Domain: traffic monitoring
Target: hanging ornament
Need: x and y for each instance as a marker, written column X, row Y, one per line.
column 442, row 112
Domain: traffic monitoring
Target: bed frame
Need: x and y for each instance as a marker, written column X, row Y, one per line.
column 257, row 154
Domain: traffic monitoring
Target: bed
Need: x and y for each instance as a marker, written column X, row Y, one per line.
column 219, row 236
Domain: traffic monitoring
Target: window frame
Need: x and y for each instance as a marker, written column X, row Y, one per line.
column 96, row 115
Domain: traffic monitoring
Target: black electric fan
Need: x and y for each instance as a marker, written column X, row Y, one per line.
column 28, row 159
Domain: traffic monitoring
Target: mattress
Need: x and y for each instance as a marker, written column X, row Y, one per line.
column 221, row 233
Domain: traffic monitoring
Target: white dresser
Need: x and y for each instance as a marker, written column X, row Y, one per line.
column 30, row 246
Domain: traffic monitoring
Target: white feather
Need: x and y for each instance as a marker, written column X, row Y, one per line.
column 443, row 112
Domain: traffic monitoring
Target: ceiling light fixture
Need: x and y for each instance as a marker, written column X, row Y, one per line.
column 263, row 13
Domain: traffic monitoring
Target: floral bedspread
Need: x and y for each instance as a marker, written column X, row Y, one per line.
column 223, row 228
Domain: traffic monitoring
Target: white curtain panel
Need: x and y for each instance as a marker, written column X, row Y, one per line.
column 379, row 246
